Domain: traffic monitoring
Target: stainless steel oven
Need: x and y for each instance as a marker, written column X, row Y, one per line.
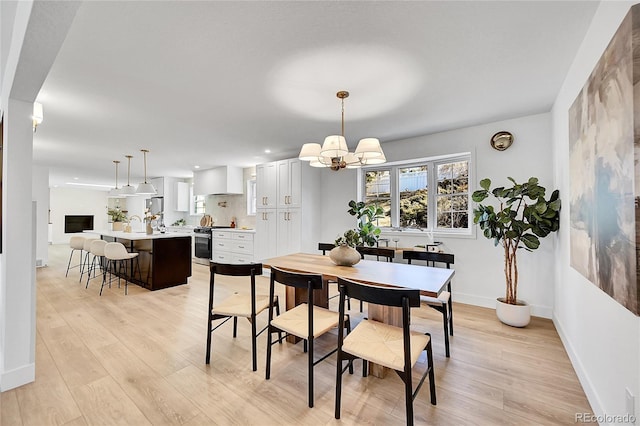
column 203, row 243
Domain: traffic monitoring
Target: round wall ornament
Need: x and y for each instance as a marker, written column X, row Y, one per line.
column 502, row 140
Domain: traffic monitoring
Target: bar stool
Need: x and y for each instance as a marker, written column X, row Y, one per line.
column 86, row 247
column 76, row 243
column 96, row 248
column 117, row 256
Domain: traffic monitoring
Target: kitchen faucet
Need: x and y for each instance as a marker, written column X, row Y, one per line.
column 135, row 216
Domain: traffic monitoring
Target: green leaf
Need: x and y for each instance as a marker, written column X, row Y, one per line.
column 479, row 195
column 530, row 241
column 485, row 184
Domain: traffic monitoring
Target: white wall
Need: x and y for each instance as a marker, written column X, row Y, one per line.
column 40, row 194
column 479, row 266
column 72, row 201
column 601, row 336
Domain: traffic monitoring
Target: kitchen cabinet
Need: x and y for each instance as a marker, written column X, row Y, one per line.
column 283, row 213
column 266, row 185
column 181, row 191
column 232, row 246
column 266, row 234
column 289, row 183
column 219, row 180
column 289, row 232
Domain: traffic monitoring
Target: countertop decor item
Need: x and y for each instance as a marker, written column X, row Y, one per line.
column 521, row 219
column 117, row 217
column 334, row 152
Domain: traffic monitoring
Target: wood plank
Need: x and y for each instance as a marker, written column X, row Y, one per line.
column 104, row 402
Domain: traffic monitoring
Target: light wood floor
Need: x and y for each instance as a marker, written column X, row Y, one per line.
column 139, row 359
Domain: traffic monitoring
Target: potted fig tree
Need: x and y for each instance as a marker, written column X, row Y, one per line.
column 523, row 216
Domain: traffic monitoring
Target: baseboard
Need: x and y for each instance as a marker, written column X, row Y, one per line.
column 489, row 302
column 17, row 377
column 587, row 386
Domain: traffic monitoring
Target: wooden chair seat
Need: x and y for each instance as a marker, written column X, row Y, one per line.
column 383, row 344
column 239, row 305
column 296, row 321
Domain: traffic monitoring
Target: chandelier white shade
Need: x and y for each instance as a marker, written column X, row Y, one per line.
column 116, row 192
column 145, row 188
column 334, row 152
column 128, row 190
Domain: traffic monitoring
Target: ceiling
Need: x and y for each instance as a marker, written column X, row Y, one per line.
column 218, row 83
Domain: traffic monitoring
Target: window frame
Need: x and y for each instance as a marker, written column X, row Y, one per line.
column 432, row 181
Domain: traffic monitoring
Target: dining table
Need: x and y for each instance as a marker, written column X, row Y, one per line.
column 429, row 281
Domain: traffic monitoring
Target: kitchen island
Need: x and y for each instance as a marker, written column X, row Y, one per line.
column 165, row 259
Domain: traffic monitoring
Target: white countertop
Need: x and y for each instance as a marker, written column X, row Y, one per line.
column 250, row 231
column 134, row 236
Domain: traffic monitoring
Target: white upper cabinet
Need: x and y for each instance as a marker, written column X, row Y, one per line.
column 181, row 190
column 266, row 185
column 219, row 180
column 289, row 183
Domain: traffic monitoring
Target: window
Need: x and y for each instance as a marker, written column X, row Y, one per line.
column 251, row 197
column 196, row 207
column 402, row 190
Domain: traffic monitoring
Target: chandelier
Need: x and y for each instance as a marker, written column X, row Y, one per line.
column 335, row 154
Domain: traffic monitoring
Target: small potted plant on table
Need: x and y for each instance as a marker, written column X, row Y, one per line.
column 367, row 233
column 117, row 216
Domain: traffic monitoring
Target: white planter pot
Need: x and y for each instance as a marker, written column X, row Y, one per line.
column 514, row 315
column 344, row 256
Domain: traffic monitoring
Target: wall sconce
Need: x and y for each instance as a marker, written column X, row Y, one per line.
column 501, row 140
column 37, row 116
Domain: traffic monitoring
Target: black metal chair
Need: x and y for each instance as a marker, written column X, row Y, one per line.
column 302, row 321
column 238, row 305
column 444, row 302
column 391, row 346
column 387, row 253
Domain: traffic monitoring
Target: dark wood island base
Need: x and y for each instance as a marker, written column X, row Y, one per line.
column 165, row 260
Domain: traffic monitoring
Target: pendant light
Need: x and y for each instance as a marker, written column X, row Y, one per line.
column 145, row 188
column 335, row 154
column 128, row 190
column 116, row 192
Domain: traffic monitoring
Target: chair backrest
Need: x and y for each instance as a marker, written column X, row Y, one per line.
column 115, row 251
column 386, row 296
column 325, row 247
column 295, row 279
column 77, row 243
column 97, row 247
column 243, row 270
column 86, row 246
column 387, row 253
column 431, row 258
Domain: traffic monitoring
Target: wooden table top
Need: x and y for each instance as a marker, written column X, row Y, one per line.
column 430, row 281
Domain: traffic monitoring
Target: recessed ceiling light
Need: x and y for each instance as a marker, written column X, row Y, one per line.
column 267, row 151
column 76, row 178
column 196, row 167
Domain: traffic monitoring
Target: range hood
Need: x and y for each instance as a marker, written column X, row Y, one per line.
column 219, row 180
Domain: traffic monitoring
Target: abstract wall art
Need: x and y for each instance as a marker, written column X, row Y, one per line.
column 604, row 149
